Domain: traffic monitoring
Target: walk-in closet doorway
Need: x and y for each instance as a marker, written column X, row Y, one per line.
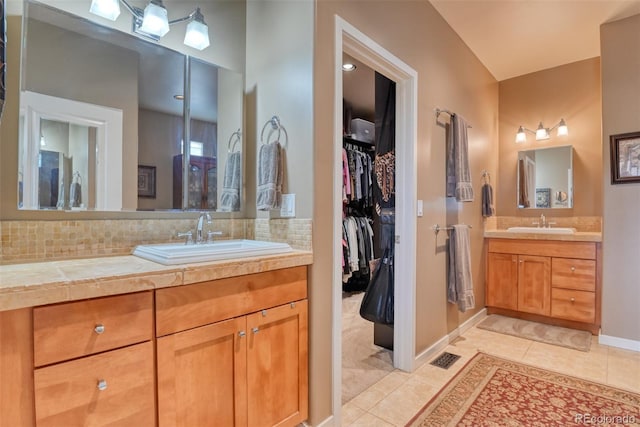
column 353, row 42
column 368, row 209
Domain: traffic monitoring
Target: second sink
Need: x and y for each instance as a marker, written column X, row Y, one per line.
column 542, row 230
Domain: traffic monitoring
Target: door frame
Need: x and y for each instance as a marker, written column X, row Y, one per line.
column 357, row 44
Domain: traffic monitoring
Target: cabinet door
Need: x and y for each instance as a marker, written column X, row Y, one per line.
column 534, row 284
column 202, row 376
column 277, row 366
column 502, row 281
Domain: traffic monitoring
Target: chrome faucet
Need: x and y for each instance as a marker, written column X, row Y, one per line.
column 203, row 216
column 543, row 221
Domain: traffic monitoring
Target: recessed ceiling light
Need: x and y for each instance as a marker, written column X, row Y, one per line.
column 179, row 97
column 347, row 66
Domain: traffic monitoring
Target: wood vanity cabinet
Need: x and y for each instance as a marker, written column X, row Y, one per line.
column 94, row 362
column 519, row 282
column 234, row 352
column 549, row 281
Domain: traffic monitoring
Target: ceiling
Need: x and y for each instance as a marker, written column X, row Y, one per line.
column 516, row 37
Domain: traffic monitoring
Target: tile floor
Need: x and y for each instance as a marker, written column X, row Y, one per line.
column 394, row 399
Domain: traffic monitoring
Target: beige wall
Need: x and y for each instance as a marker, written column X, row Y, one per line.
column 571, row 92
column 449, row 76
column 620, row 49
column 279, row 81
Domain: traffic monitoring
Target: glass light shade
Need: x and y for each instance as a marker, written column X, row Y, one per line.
column 563, row 130
column 541, row 133
column 108, row 9
column 521, row 136
column 197, row 35
column 155, row 20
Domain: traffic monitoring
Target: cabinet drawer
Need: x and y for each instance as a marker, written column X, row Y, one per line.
column 577, row 274
column 70, row 393
column 573, row 305
column 185, row 307
column 70, row 330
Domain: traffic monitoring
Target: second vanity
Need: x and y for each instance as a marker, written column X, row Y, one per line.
column 550, row 278
column 131, row 342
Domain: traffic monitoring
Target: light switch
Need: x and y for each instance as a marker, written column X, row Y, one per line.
column 288, row 207
column 420, row 208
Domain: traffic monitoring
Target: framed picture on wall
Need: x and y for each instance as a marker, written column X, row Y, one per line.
column 147, row 181
column 625, row 158
column 543, row 197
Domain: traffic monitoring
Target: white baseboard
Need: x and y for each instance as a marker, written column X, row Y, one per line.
column 443, row 342
column 329, row 422
column 624, row 343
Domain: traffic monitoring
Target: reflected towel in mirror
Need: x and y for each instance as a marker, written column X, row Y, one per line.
column 230, row 197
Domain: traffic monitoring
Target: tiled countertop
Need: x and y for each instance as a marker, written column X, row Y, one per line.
column 33, row 284
column 579, row 236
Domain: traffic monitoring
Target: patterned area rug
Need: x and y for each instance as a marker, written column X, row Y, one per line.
column 490, row 391
column 556, row 335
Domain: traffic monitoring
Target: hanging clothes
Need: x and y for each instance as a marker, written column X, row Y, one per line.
column 357, row 237
column 357, row 170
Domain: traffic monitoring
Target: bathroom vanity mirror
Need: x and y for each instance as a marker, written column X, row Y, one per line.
column 545, row 178
column 101, row 108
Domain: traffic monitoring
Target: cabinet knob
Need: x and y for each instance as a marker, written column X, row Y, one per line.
column 573, row 268
column 521, row 261
column 242, row 334
column 293, row 305
column 102, row 385
column 255, row 330
column 264, row 313
column 572, row 299
column 99, row 329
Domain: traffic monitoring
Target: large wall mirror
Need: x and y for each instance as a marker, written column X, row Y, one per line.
column 102, row 120
column 545, row 178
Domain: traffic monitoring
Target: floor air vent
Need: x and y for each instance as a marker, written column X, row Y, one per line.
column 445, row 360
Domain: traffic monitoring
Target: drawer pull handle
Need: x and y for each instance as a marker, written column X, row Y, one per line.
column 572, row 300
column 255, row 330
column 573, row 269
column 99, row 329
column 102, row 385
column 242, row 334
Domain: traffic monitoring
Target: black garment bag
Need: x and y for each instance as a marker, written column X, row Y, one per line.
column 377, row 303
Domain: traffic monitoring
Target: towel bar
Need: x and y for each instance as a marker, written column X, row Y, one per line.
column 440, row 111
column 275, row 125
column 437, row 228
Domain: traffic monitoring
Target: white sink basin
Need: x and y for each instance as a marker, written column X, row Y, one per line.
column 541, row 230
column 179, row 253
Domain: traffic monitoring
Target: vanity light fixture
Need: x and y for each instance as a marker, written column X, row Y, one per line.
column 153, row 21
column 542, row 132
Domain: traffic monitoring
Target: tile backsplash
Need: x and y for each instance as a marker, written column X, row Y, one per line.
column 30, row 241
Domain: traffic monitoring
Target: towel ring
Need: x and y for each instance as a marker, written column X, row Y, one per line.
column 275, row 125
column 231, row 147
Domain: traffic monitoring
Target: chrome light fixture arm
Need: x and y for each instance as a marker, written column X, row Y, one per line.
column 152, row 22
